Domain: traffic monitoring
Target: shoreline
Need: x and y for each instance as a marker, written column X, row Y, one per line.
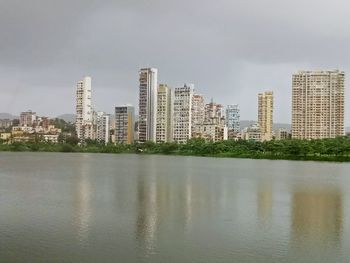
column 323, row 150
column 333, row 159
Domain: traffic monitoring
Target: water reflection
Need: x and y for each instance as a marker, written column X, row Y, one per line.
column 317, row 217
column 264, row 202
column 148, row 207
column 83, row 209
column 136, row 208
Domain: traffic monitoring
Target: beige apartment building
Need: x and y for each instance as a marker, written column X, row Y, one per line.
column 198, row 113
column 265, row 114
column 124, row 124
column 318, row 104
column 183, row 113
column 164, row 114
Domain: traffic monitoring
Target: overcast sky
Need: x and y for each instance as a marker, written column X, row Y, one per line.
column 229, row 49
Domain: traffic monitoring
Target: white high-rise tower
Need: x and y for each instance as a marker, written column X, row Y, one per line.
column 83, row 123
column 148, row 104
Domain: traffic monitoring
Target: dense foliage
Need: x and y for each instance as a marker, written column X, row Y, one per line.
column 327, row 149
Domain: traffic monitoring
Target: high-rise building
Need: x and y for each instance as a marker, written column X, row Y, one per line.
column 83, row 124
column 214, row 113
column 102, row 127
column 183, row 113
column 198, row 109
column 27, row 118
column 318, row 104
column 233, row 118
column 164, row 114
column 124, row 124
column 265, row 114
column 148, row 104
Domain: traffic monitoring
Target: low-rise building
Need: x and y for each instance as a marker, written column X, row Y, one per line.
column 211, row 132
column 52, row 138
column 5, row 136
column 253, row 133
column 282, row 134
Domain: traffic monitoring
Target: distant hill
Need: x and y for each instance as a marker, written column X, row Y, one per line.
column 67, row 117
column 276, row 126
column 4, row 115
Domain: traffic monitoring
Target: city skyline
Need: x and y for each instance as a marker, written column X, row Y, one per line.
column 228, row 56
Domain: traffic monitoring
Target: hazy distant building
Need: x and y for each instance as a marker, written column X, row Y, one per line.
column 265, row 114
column 183, row 113
column 5, row 123
column 84, row 114
column 124, row 124
column 232, row 120
column 148, row 104
column 27, row 118
column 164, row 114
column 318, row 104
column 102, row 127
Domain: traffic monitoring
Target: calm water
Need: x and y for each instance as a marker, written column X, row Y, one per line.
column 130, row 208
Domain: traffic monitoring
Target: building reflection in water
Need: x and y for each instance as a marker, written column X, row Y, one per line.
column 317, row 216
column 264, row 202
column 147, row 218
column 83, row 210
column 162, row 201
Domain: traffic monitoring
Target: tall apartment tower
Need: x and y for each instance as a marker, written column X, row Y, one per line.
column 214, row 113
column 148, row 104
column 124, row 124
column 164, row 114
column 198, row 109
column 318, row 104
column 265, row 114
column 183, row 113
column 233, row 118
column 83, row 124
column 102, row 127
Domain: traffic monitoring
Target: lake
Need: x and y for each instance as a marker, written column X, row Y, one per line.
column 73, row 207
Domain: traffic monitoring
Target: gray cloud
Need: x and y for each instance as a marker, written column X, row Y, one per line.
column 230, row 50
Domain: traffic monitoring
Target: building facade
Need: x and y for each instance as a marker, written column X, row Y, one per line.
column 148, row 78
column 253, row 133
column 213, row 127
column 233, row 119
column 318, row 104
column 124, row 124
column 164, row 114
column 84, row 112
column 27, row 118
column 198, row 113
column 282, row 134
column 265, row 114
column 214, row 113
column 102, row 130
column 183, row 113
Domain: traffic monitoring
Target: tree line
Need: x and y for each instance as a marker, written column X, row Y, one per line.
column 337, row 149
